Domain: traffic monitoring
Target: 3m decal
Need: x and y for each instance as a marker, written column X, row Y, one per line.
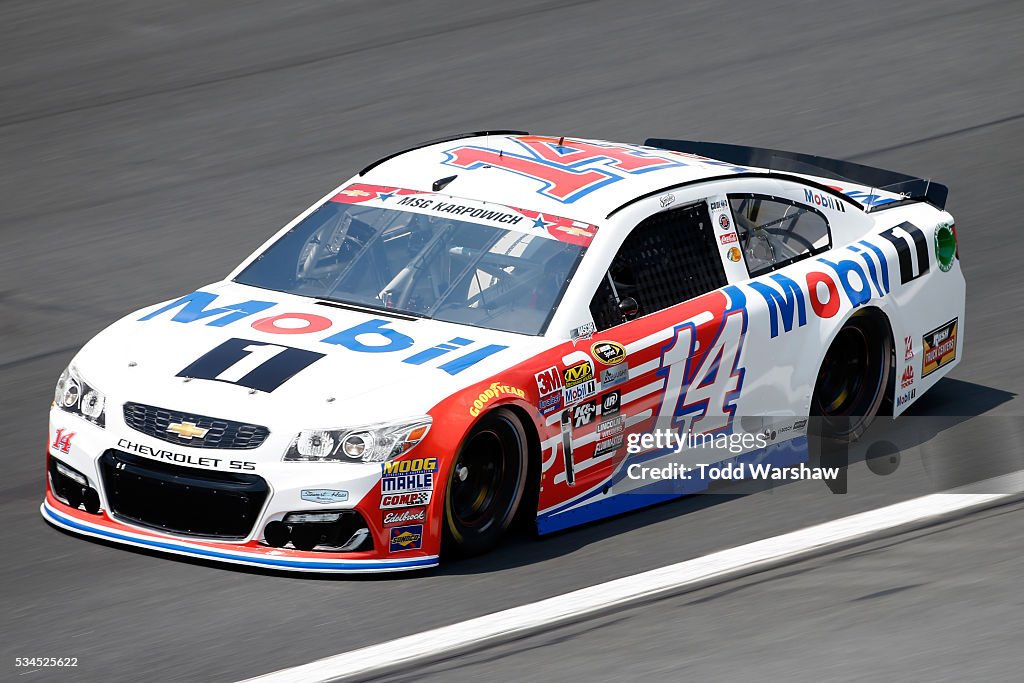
column 252, row 364
column 939, row 347
column 62, row 440
column 408, row 537
column 566, row 169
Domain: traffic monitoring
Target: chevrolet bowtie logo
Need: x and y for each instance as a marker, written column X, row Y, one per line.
column 186, row 430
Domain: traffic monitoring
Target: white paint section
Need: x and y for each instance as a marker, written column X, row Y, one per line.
column 721, row 565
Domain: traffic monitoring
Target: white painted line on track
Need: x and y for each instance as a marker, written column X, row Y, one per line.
column 730, row 563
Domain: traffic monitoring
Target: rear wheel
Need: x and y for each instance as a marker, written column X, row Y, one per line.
column 486, row 484
column 853, row 377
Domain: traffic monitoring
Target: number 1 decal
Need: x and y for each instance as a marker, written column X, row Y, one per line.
column 252, row 364
column 703, row 375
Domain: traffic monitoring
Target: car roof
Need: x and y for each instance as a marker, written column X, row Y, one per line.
column 597, row 176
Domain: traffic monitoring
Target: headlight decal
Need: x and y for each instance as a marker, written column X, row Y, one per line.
column 372, row 443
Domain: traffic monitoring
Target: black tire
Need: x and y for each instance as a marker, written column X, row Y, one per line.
column 853, row 377
column 486, row 484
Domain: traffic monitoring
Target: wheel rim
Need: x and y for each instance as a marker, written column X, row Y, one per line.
column 485, row 479
column 850, row 380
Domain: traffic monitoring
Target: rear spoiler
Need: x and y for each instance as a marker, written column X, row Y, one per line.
column 910, row 187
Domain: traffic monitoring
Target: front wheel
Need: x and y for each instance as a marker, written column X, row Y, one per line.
column 853, row 377
column 486, row 483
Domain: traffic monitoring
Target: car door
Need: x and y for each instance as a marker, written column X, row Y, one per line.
column 657, row 349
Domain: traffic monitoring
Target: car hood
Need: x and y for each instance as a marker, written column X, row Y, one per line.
column 204, row 353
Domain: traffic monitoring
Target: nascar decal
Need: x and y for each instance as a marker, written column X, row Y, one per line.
column 561, row 228
column 371, row 336
column 566, row 169
column 406, row 538
column 939, row 347
column 860, row 277
column 401, row 476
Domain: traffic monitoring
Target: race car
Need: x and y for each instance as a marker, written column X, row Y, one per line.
column 501, row 327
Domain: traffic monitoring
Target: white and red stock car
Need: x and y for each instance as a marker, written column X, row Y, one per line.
column 492, row 327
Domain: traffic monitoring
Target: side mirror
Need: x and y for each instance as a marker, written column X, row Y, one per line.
column 628, row 307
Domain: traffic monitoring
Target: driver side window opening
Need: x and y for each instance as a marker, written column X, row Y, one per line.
column 775, row 232
column 667, row 259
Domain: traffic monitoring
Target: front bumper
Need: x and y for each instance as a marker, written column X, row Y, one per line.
column 251, row 554
column 253, row 495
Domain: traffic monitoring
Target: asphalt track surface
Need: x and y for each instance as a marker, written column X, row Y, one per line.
column 148, row 148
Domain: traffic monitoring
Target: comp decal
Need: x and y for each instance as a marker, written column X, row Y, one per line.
column 371, row 336
column 256, row 365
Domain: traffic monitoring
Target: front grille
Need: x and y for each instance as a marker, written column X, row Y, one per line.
column 182, row 500
column 154, row 422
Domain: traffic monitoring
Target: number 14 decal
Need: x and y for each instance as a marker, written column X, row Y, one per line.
column 704, row 379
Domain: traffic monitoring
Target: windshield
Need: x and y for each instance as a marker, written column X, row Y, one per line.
column 428, row 264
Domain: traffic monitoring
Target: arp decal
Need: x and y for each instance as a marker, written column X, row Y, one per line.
column 371, row 336
column 406, row 538
column 566, row 169
column 939, row 347
column 252, row 364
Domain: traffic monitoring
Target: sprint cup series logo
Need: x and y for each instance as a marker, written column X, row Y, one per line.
column 939, row 347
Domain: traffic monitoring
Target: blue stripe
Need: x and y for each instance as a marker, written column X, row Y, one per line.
column 271, row 562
